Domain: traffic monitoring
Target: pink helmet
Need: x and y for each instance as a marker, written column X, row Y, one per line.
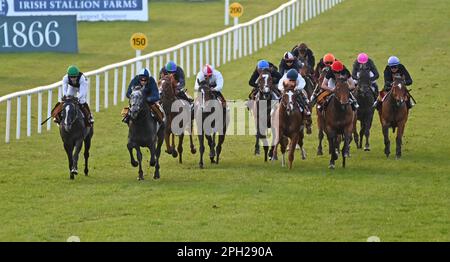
column 207, row 70
column 363, row 58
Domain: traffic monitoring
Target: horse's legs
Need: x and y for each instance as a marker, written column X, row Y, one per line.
column 355, row 133
column 139, row 157
column 211, row 145
column 191, row 140
column 160, row 141
column 174, row 152
column 319, row 148
column 87, row 147
column 300, row 143
column 283, row 145
column 332, row 149
column 257, row 150
column 201, row 140
column 167, row 140
column 180, row 148
column 76, row 154
column 219, row 147
column 130, row 147
column 69, row 150
column 387, row 143
column 367, row 133
column 152, row 149
column 398, row 140
column 294, row 142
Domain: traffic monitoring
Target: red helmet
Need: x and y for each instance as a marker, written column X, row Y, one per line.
column 328, row 58
column 337, row 66
column 207, row 70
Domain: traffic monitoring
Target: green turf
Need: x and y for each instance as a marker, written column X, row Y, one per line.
column 244, row 199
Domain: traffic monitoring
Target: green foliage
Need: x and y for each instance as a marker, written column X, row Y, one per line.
column 244, row 199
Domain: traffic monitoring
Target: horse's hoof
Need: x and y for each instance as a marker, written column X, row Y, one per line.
column 200, row 165
column 331, row 166
column 397, row 157
column 212, row 161
column 257, row 152
column 86, row 172
column 193, row 150
column 169, row 151
column 139, row 178
column 72, row 177
column 156, row 176
column 134, row 163
column 152, row 162
column 74, row 172
column 366, row 148
column 309, row 131
column 319, row 153
column 387, row 155
column 174, row 154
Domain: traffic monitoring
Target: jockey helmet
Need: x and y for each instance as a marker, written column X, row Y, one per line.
column 337, row 66
column 171, row 67
column 363, row 58
column 288, row 56
column 207, row 70
column 73, row 70
column 263, row 64
column 328, row 58
column 292, row 74
column 144, row 73
column 393, row 61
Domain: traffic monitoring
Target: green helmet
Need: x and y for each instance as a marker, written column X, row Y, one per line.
column 73, row 70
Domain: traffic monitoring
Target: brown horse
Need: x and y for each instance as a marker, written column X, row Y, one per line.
column 167, row 85
column 265, row 100
column 339, row 118
column 289, row 125
column 394, row 113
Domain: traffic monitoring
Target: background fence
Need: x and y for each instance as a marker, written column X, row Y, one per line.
column 215, row 49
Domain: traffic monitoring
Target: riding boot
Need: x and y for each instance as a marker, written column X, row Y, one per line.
column 158, row 112
column 183, row 95
column 252, row 94
column 375, row 90
column 353, row 102
column 56, row 112
column 89, row 119
column 126, row 115
column 221, row 98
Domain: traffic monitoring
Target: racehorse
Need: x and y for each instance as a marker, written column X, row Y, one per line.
column 211, row 118
column 74, row 131
column 339, row 120
column 167, row 86
column 144, row 131
column 320, row 119
column 289, row 125
column 265, row 100
column 365, row 98
column 394, row 113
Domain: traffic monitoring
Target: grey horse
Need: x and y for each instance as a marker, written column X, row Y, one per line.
column 144, row 131
column 74, row 132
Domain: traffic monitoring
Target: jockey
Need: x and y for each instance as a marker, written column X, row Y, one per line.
column 143, row 79
column 289, row 61
column 293, row 76
column 178, row 73
column 364, row 59
column 303, row 52
column 329, row 82
column 215, row 80
column 394, row 67
column 324, row 64
column 261, row 66
column 74, row 82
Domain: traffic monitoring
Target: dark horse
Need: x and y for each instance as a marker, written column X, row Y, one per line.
column 174, row 108
column 143, row 131
column 211, row 118
column 365, row 98
column 339, row 119
column 289, row 125
column 74, row 132
column 394, row 113
column 320, row 119
column 265, row 100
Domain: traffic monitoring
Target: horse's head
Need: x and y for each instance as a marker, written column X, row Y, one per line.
column 288, row 101
column 364, row 80
column 70, row 113
column 399, row 92
column 167, row 85
column 137, row 101
column 342, row 91
column 265, row 85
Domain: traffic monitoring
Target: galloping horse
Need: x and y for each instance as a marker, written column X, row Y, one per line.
column 320, row 119
column 289, row 125
column 144, row 131
column 167, row 85
column 265, row 100
column 339, row 119
column 394, row 113
column 211, row 118
column 365, row 111
column 74, row 132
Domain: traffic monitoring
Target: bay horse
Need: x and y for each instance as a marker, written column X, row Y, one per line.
column 365, row 98
column 211, row 118
column 394, row 114
column 265, row 100
column 339, row 120
column 289, row 125
column 143, row 131
column 173, row 108
column 74, row 132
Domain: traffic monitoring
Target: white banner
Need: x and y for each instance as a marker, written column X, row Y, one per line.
column 85, row 10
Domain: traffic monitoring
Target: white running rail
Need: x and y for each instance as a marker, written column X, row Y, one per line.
column 215, row 49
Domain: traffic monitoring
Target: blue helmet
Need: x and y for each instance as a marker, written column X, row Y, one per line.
column 393, row 61
column 263, row 64
column 171, row 67
column 292, row 74
column 144, row 73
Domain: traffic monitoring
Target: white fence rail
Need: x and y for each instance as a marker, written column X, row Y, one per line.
column 215, row 49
